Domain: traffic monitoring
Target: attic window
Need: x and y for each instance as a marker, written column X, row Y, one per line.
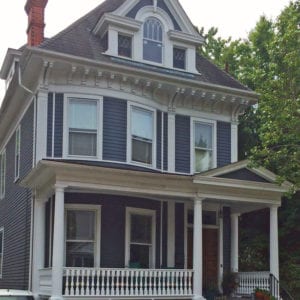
column 152, row 43
column 124, row 45
column 179, row 58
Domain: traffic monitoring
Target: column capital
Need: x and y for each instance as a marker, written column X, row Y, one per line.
column 235, row 214
column 274, row 206
column 59, row 187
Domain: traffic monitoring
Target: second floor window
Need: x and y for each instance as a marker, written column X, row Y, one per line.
column 153, row 40
column 142, row 131
column 83, row 127
column 17, row 153
column 2, row 173
column 203, row 146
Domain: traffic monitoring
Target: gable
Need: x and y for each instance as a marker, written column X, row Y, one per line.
column 244, row 174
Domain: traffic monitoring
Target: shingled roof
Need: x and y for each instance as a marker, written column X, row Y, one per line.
column 78, row 40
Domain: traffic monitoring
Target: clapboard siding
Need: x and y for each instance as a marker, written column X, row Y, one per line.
column 15, row 210
column 158, row 139
column 226, row 239
column 165, row 142
column 182, row 144
column 223, row 144
column 244, row 174
column 114, row 129
column 50, row 125
column 58, row 125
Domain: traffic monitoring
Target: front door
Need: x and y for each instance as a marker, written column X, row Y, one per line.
column 210, row 255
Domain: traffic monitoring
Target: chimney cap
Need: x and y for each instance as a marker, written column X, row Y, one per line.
column 35, row 3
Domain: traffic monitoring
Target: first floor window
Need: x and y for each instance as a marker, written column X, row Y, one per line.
column 2, row 173
column 203, row 146
column 142, row 131
column 17, row 152
column 81, row 239
column 141, row 239
column 1, row 249
column 83, row 127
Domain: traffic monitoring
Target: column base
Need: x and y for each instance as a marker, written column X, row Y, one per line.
column 198, row 297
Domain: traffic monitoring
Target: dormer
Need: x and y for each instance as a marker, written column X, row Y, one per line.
column 155, row 32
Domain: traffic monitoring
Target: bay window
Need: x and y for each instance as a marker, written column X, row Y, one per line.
column 83, row 127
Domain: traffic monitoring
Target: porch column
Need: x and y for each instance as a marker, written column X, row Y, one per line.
column 274, row 249
column 58, row 244
column 235, row 242
column 198, row 255
column 38, row 253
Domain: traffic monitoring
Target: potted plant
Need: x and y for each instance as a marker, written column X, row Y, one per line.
column 230, row 283
column 262, row 294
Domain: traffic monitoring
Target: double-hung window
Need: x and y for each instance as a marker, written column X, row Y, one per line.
column 179, row 58
column 1, row 249
column 17, row 152
column 2, row 173
column 140, row 252
column 83, row 127
column 82, row 237
column 124, row 45
column 153, row 40
column 203, row 146
column 142, row 135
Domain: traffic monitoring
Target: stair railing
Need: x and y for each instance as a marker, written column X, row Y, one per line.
column 277, row 290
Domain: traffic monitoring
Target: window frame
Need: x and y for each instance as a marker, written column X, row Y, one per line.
column 1, row 254
column 130, row 106
column 97, row 247
column 2, row 174
column 99, row 134
column 120, row 33
column 142, row 212
column 185, row 57
column 17, row 152
column 213, row 124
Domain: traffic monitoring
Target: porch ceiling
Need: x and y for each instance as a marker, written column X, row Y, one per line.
column 248, row 195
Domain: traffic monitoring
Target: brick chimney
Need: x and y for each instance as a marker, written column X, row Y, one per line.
column 35, row 32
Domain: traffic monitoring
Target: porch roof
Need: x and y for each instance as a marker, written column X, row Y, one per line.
column 73, row 176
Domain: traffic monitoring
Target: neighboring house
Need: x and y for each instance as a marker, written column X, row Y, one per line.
column 118, row 150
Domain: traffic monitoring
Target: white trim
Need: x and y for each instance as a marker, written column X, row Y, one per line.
column 145, row 212
column 53, row 122
column 2, row 260
column 17, row 153
column 234, row 142
column 129, row 160
column 221, row 250
column 171, row 141
column 2, row 173
column 213, row 123
column 171, row 235
column 34, row 132
column 97, row 210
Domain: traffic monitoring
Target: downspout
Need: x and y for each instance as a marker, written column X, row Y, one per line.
column 21, row 84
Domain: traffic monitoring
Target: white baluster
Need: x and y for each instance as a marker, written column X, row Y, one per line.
column 88, row 287
column 67, row 283
column 72, row 283
column 107, row 283
column 77, row 272
column 97, row 288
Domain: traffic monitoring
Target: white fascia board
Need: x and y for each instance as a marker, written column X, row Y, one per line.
column 10, row 56
column 186, row 38
column 117, row 21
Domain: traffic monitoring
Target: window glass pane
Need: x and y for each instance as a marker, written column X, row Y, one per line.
column 141, row 229
column 79, row 254
column 124, row 45
column 142, row 123
column 203, row 160
column 153, row 30
column 80, row 225
column 83, row 114
column 203, row 136
column 81, row 143
column 152, row 51
column 140, row 256
column 179, row 58
column 141, row 151
column 209, row 217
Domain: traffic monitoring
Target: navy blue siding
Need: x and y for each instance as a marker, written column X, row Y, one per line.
column 165, row 141
column 179, row 236
column 182, row 144
column 113, row 219
column 244, row 174
column 50, row 125
column 163, row 6
column 158, row 139
column 58, row 126
column 226, row 239
column 15, row 210
column 223, row 144
column 114, row 129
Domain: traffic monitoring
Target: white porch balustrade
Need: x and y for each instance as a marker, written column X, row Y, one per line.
column 127, row 282
column 249, row 281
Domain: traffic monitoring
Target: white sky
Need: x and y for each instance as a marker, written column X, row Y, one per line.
column 232, row 17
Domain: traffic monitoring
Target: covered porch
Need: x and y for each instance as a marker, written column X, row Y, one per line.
column 159, row 235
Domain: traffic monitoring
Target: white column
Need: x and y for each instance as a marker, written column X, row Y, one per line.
column 235, row 242
column 198, row 251
column 58, row 244
column 221, row 251
column 171, row 234
column 171, row 142
column 234, row 142
column 274, row 249
column 38, row 255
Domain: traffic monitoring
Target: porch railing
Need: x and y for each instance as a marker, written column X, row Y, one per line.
column 249, row 281
column 127, row 282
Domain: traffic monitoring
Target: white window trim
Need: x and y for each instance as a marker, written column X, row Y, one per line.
column 1, row 269
column 84, row 97
column 144, row 212
column 97, row 210
column 17, row 153
column 131, row 105
column 214, row 140
column 3, row 181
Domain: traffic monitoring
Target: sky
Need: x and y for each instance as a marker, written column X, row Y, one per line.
column 233, row 18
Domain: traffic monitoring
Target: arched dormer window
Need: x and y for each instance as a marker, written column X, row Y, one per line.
column 153, row 40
